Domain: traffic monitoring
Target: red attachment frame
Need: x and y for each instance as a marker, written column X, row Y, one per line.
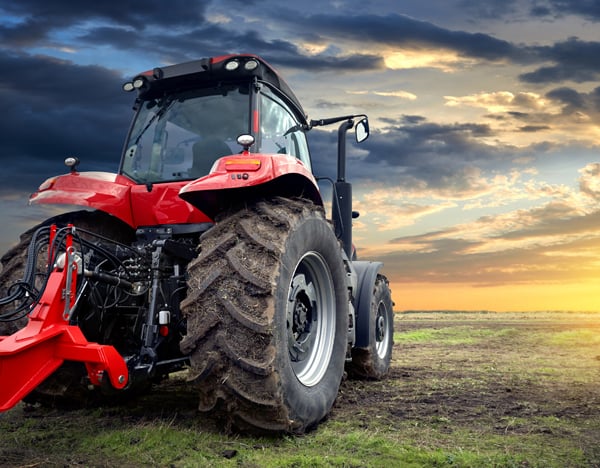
column 30, row 355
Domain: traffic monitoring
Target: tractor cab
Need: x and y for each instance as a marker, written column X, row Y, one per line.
column 190, row 115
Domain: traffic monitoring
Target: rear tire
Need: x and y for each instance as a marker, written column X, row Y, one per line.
column 374, row 361
column 267, row 315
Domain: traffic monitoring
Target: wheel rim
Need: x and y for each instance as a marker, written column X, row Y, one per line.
column 311, row 319
column 382, row 331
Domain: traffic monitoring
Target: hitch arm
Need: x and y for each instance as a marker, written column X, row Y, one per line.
column 33, row 353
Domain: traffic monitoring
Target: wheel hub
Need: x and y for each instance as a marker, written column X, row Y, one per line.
column 300, row 318
column 380, row 328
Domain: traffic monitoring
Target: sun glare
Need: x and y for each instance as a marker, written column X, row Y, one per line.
column 446, row 61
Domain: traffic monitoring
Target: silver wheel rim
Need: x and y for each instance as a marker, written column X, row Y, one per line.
column 311, row 319
column 382, row 333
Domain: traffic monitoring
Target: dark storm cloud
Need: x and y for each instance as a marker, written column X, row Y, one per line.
column 495, row 9
column 419, row 155
column 213, row 40
column 209, row 39
column 533, row 128
column 402, row 31
column 573, row 59
column 118, row 37
column 56, row 109
column 490, row 9
column 510, row 115
column 573, row 101
column 417, row 138
column 39, row 17
column 589, row 9
column 568, row 97
column 148, row 27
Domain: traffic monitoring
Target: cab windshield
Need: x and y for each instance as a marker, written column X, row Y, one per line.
column 179, row 137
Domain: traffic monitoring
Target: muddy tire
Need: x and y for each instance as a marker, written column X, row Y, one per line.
column 373, row 362
column 66, row 385
column 267, row 318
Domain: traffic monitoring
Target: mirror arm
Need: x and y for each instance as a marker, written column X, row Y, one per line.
column 332, row 120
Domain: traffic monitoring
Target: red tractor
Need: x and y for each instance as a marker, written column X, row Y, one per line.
column 210, row 251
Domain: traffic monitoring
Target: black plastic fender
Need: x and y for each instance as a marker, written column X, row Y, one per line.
column 367, row 274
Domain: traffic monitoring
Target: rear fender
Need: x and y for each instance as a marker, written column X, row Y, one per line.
column 249, row 176
column 100, row 190
column 367, row 275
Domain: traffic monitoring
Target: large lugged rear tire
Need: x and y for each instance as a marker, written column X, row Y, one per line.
column 66, row 385
column 267, row 317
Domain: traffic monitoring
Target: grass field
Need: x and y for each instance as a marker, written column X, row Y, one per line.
column 465, row 389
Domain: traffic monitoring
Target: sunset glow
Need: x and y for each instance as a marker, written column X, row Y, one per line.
column 511, row 298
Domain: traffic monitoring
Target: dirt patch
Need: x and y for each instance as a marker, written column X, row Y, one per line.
column 512, row 378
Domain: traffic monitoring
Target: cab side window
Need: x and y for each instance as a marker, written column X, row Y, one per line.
column 280, row 131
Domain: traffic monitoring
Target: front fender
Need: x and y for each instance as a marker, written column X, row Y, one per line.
column 100, row 190
column 367, row 275
column 248, row 176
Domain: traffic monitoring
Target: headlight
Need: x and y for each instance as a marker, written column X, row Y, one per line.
column 251, row 65
column 232, row 65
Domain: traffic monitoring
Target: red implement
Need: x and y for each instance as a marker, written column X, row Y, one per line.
column 30, row 355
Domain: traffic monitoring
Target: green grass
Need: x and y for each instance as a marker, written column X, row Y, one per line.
column 451, row 337
column 575, row 338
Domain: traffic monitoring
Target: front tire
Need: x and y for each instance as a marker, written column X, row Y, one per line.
column 373, row 362
column 267, row 312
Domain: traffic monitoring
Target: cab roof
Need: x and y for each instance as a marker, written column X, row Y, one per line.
column 206, row 72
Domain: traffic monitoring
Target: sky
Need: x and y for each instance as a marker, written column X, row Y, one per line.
column 479, row 185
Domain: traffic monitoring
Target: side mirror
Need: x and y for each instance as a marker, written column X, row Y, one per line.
column 362, row 130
